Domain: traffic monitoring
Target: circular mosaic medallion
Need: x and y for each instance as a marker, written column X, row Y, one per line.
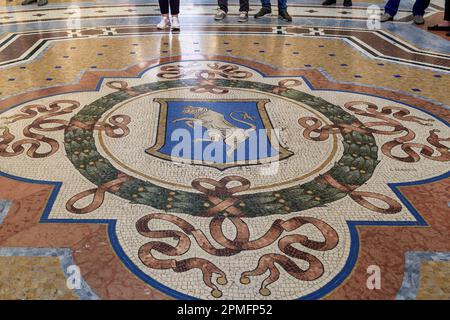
column 355, row 166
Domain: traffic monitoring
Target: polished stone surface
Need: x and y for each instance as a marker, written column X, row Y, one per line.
column 94, row 102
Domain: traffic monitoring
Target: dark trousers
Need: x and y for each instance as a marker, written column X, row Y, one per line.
column 174, row 6
column 243, row 5
column 447, row 11
column 419, row 7
column 282, row 4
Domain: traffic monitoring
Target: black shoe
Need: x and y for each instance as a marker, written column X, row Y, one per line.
column 348, row 3
column 27, row 2
column 284, row 15
column 42, row 2
column 262, row 12
column 328, row 2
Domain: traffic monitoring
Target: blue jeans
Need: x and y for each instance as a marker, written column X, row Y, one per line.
column 391, row 7
column 282, row 4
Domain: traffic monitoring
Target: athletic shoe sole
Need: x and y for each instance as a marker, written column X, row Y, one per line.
column 286, row 20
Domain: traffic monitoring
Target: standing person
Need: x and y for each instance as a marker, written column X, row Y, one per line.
column 223, row 10
column 39, row 2
column 391, row 9
column 267, row 9
column 165, row 22
column 347, row 3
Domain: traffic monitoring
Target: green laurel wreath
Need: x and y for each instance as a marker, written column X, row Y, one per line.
column 354, row 168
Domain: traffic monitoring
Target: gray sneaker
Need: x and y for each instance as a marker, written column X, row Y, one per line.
column 243, row 16
column 419, row 20
column 220, row 15
column 386, row 17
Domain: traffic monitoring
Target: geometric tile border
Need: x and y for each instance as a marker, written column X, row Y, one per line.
column 380, row 44
column 411, row 279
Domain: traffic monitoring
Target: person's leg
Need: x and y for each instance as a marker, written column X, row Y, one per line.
column 266, row 8
column 391, row 7
column 420, row 6
column 174, row 7
column 266, row 4
column 27, row 2
column 447, row 11
column 244, row 5
column 164, row 7
column 223, row 5
column 174, row 11
column 222, row 11
column 282, row 5
column 348, row 3
column 328, row 2
column 282, row 11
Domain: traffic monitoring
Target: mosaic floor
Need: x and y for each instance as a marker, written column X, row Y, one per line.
column 266, row 160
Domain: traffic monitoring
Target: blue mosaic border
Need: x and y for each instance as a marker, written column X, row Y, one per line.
column 411, row 278
column 65, row 257
column 352, row 225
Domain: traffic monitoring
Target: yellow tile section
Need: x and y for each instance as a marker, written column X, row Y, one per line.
column 33, row 278
column 434, row 281
column 76, row 55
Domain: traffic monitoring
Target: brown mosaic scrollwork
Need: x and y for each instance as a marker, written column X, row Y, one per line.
column 114, row 127
column 284, row 85
column 391, row 117
column 116, row 123
column 221, row 190
column 360, row 197
column 121, row 86
column 268, row 261
column 98, row 195
column 33, row 132
column 205, row 76
column 223, row 198
column 388, row 117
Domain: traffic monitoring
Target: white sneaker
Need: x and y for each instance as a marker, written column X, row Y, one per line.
column 220, row 15
column 386, row 17
column 163, row 24
column 419, row 20
column 175, row 24
column 243, row 16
